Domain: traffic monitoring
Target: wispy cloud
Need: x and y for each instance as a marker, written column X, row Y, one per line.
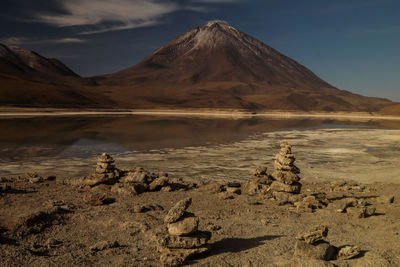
column 120, row 14
column 97, row 16
column 25, row 40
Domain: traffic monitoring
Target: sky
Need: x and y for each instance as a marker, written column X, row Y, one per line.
column 352, row 44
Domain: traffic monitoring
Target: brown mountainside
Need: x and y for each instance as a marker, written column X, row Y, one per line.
column 29, row 79
column 214, row 66
column 217, row 66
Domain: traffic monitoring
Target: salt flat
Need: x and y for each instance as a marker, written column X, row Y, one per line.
column 363, row 155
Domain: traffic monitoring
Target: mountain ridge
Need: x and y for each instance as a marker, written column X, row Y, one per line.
column 213, row 66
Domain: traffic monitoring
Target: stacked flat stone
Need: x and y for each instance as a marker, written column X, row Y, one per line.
column 183, row 238
column 286, row 173
column 260, row 181
column 105, row 173
column 105, row 167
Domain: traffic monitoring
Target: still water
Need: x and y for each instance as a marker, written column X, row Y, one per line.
column 201, row 147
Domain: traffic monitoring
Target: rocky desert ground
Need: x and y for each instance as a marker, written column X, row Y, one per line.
column 137, row 217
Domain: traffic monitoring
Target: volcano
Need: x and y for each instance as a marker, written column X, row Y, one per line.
column 217, row 66
column 213, row 66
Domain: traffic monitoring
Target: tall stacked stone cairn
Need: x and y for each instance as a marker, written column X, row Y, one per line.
column 105, row 173
column 286, row 173
column 183, row 239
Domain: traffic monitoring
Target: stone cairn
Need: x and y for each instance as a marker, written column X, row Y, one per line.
column 286, row 173
column 105, row 173
column 260, row 181
column 105, row 169
column 183, row 239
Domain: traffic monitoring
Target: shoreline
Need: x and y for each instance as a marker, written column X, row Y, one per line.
column 208, row 113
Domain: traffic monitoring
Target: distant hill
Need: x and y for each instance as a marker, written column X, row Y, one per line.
column 29, row 79
column 213, row 66
column 391, row 110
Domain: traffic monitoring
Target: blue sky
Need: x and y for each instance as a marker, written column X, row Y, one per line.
column 352, row 44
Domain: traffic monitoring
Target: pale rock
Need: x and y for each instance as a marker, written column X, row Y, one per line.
column 177, row 211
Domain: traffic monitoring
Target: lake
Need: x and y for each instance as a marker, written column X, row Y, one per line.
column 199, row 148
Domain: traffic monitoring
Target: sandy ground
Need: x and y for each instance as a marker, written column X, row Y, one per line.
column 52, row 224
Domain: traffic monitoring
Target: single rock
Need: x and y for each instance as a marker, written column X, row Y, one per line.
column 234, row 184
column 177, row 211
column 233, row 190
column 362, row 212
column 315, row 235
column 281, row 187
column 34, row 178
column 319, row 251
column 158, row 183
column 198, row 239
column 184, row 226
column 348, row 252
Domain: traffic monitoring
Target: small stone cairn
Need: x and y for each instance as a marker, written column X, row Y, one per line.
column 260, row 181
column 183, row 238
column 105, row 169
column 286, row 173
column 105, row 173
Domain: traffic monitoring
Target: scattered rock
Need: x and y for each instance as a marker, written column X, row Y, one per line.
column 319, row 251
column 159, row 183
column 34, row 177
column 315, row 235
column 361, row 212
column 234, row 184
column 348, row 252
column 233, row 190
